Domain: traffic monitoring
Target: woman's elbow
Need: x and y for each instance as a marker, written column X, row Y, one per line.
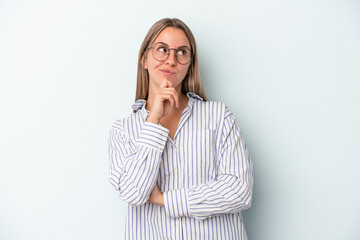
column 244, row 199
column 134, row 198
column 247, row 204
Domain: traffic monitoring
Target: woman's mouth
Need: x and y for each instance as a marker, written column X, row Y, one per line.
column 167, row 72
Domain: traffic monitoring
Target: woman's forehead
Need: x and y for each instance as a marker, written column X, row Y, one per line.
column 173, row 37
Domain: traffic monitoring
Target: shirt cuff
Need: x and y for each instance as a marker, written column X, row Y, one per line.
column 175, row 203
column 153, row 136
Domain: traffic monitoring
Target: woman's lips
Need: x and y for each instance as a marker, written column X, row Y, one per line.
column 167, row 72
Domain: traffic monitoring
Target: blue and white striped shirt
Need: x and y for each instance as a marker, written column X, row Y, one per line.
column 205, row 173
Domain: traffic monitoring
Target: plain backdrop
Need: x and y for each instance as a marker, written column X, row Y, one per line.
column 288, row 70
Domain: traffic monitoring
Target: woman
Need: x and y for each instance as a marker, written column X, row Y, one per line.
column 179, row 161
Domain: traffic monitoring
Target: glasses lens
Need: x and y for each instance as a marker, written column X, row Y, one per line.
column 161, row 53
column 183, row 55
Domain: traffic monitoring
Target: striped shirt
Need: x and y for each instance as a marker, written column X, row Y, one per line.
column 205, row 173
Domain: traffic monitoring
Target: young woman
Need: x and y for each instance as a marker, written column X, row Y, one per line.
column 179, row 161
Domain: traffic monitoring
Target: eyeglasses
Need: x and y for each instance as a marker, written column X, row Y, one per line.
column 161, row 52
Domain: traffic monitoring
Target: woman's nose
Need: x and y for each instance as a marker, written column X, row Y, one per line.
column 171, row 59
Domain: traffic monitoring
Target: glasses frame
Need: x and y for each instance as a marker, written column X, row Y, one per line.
column 168, row 54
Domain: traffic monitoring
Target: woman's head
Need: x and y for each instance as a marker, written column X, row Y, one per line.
column 191, row 81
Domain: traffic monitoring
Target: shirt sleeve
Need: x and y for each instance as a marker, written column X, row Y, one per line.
column 134, row 166
column 231, row 192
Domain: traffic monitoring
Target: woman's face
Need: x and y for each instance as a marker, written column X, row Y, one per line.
column 169, row 69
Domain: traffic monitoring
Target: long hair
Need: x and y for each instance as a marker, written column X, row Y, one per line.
column 191, row 82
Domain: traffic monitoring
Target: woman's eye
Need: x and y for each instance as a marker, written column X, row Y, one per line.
column 162, row 49
column 181, row 52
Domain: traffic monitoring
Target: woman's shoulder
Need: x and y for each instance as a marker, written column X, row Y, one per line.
column 123, row 125
column 211, row 107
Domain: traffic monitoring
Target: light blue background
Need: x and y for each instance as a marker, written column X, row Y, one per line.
column 289, row 70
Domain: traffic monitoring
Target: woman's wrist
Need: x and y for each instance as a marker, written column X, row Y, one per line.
column 161, row 200
column 153, row 120
column 156, row 196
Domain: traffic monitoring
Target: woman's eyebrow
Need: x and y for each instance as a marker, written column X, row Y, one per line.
column 168, row 45
column 162, row 43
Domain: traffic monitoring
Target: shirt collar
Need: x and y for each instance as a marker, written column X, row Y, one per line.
column 138, row 105
column 193, row 95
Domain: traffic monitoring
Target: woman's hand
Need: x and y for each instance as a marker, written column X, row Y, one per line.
column 156, row 196
column 165, row 97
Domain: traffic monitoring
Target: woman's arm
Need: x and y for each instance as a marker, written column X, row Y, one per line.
column 135, row 166
column 133, row 169
column 232, row 190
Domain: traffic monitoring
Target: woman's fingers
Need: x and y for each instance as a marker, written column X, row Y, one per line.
column 170, row 92
column 166, row 84
column 168, row 97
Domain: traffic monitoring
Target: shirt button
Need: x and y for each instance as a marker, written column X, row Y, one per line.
column 176, row 172
column 177, row 221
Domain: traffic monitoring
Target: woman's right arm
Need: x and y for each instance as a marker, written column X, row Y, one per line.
column 134, row 166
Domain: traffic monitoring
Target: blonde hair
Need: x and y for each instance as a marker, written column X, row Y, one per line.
column 191, row 82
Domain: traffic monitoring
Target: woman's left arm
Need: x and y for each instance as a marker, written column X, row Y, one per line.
column 231, row 192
